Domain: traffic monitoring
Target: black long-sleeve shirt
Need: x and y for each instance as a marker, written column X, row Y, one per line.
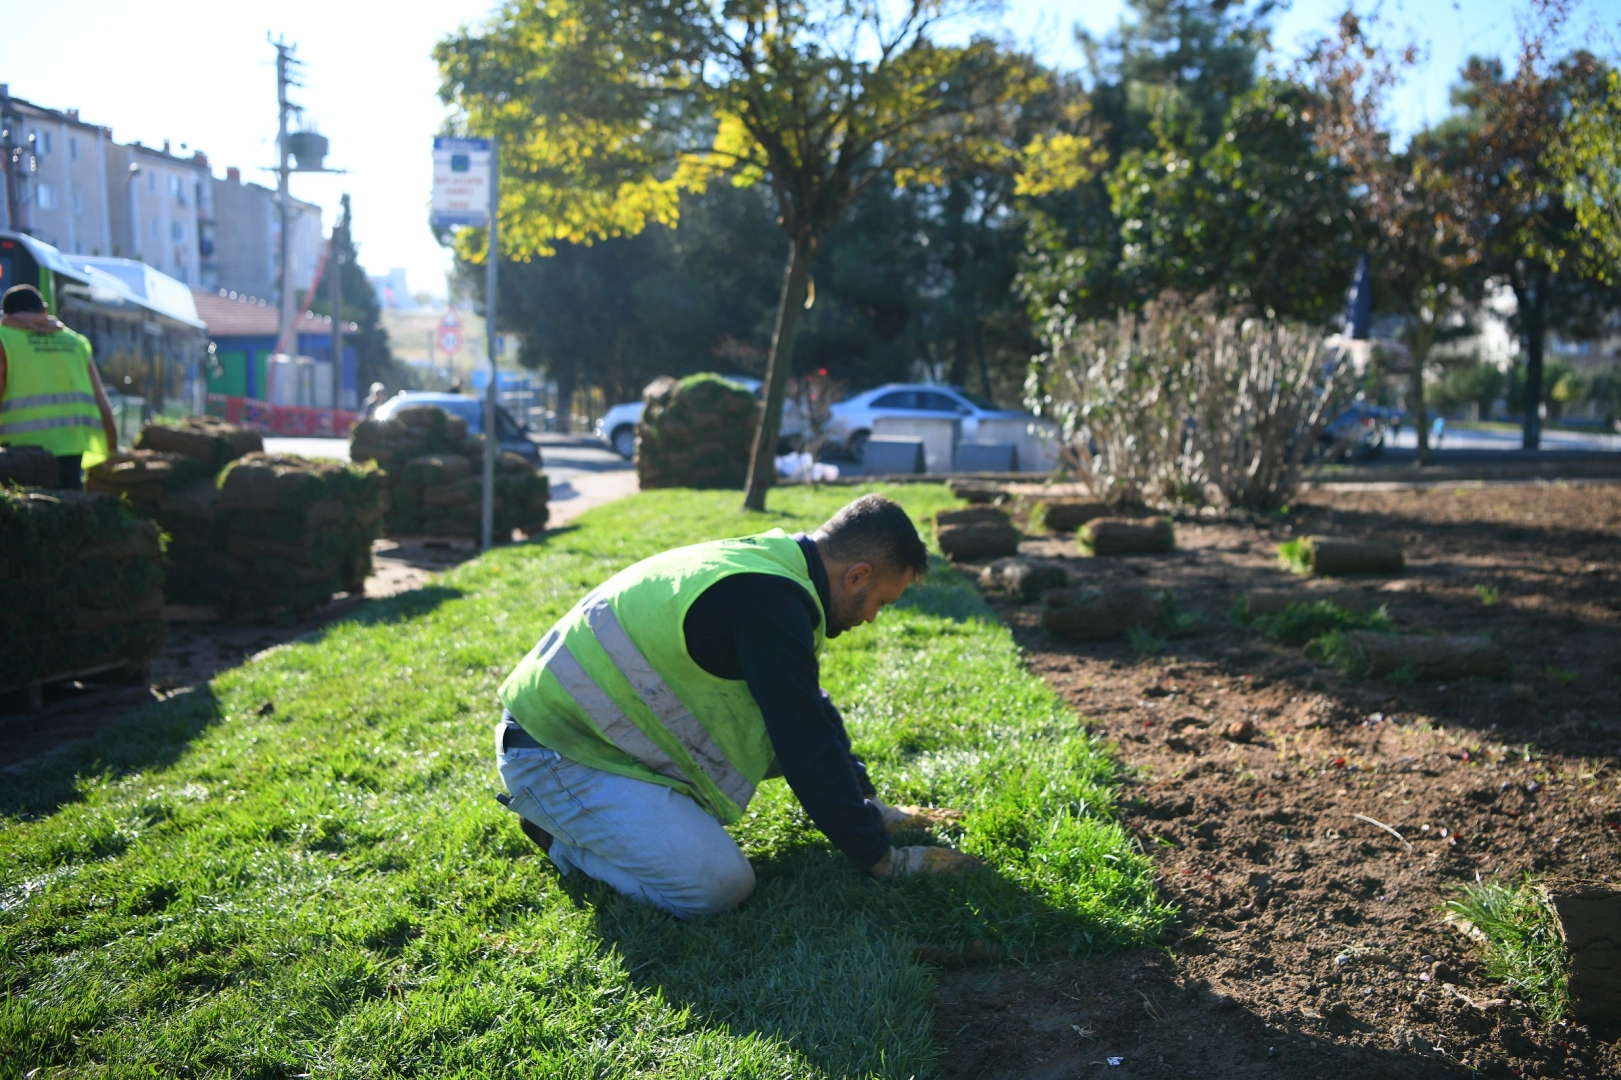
column 760, row 628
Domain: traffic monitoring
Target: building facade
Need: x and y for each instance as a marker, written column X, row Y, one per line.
column 68, row 183
column 54, row 176
column 160, row 210
column 247, row 233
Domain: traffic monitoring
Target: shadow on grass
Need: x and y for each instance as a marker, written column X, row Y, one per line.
column 149, row 738
column 398, row 608
column 158, row 734
column 831, row 963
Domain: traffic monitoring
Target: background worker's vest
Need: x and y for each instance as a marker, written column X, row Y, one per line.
column 50, row 401
column 612, row 686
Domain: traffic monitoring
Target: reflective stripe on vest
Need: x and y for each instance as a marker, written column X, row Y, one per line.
column 663, row 703
column 46, row 399
column 19, row 427
column 620, row 729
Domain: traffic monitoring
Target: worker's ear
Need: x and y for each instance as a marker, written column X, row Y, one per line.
column 857, row 576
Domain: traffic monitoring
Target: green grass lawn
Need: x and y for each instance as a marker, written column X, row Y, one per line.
column 300, row 869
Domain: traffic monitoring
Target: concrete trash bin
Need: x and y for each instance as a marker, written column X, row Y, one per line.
column 940, row 437
column 993, row 457
column 891, row 454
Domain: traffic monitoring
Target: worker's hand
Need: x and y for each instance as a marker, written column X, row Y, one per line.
column 925, row 860
column 897, row 818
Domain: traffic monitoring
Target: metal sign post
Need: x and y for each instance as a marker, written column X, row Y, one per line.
column 465, row 179
column 491, row 428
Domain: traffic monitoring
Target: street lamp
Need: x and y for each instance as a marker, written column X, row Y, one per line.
column 134, row 222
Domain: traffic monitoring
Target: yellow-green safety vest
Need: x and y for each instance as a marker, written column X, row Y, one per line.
column 612, row 686
column 50, row 400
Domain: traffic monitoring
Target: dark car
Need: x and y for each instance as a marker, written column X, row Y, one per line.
column 514, row 436
column 1356, row 433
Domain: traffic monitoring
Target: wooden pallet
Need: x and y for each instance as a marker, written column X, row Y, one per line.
column 137, row 673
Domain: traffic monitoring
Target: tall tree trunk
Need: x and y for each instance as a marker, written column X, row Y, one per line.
column 1423, row 338
column 566, row 377
column 790, row 309
column 1531, row 298
column 1421, row 420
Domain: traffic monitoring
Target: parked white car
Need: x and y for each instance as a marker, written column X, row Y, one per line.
column 853, row 418
column 617, row 427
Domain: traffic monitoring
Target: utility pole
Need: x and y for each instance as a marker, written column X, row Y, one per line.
column 284, row 80
column 336, row 262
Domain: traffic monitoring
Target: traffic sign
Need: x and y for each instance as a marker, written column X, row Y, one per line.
column 461, row 182
column 450, row 333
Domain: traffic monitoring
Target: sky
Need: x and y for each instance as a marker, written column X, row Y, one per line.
column 203, row 76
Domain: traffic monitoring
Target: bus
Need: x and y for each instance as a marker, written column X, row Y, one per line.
column 152, row 349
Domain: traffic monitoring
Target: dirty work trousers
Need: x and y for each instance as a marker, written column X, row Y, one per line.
column 645, row 840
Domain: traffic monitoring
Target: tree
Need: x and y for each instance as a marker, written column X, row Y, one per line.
column 607, row 111
column 1190, row 173
column 374, row 360
column 1416, row 234
column 1508, row 144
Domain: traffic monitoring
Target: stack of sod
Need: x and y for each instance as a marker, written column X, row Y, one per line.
column 697, row 432
column 433, row 471
column 28, row 466
column 81, row 579
column 207, row 440
column 171, row 477
column 444, row 493
column 296, row 531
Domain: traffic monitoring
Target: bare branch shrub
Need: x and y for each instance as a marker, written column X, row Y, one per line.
column 1118, row 392
column 1178, row 403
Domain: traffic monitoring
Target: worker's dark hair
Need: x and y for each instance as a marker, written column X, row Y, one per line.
column 20, row 299
column 873, row 529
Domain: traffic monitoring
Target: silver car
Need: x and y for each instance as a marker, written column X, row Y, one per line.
column 853, row 418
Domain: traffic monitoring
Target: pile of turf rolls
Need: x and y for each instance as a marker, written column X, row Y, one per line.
column 81, row 586
column 695, row 432
column 205, row 439
column 28, row 466
column 295, row 531
column 172, row 477
column 434, row 472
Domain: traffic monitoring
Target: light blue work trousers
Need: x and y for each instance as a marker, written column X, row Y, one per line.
column 645, row 840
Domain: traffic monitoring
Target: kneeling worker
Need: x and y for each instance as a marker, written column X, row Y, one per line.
column 645, row 719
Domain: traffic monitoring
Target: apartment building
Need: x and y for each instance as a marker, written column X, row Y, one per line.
column 68, row 183
column 247, row 233
column 54, row 176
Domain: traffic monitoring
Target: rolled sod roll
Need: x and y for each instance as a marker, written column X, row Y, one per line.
column 1090, row 613
column 1588, row 914
column 978, row 540
column 1377, row 654
column 1024, row 579
column 1127, row 536
column 1068, row 516
column 28, row 466
column 976, row 493
column 971, row 515
column 1336, row 558
column 1259, row 602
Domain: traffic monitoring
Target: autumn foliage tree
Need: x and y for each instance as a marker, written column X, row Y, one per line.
column 607, row 111
column 1415, row 218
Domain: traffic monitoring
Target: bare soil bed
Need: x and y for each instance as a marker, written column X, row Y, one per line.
column 1311, row 942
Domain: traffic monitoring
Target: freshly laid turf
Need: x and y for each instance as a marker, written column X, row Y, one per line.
column 300, row 869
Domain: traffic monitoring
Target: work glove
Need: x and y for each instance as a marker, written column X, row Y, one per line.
column 920, row 859
column 898, row 818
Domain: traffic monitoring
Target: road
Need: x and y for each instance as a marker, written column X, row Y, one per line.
column 582, row 471
column 1459, row 438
